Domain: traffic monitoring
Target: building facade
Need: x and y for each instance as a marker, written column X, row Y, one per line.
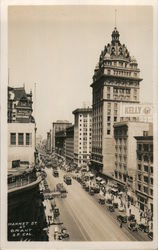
column 69, row 144
column 59, row 125
column 116, row 79
column 82, row 135
column 60, row 138
column 125, row 152
column 19, row 105
column 21, row 128
column 49, row 141
column 145, row 177
column 21, row 144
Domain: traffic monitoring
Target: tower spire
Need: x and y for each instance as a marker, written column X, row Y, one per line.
column 115, row 18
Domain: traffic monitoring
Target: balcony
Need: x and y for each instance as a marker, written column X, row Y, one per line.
column 20, row 178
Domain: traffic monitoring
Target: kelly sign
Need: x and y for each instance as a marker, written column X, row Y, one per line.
column 136, row 110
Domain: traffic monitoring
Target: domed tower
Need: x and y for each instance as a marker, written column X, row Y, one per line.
column 116, row 80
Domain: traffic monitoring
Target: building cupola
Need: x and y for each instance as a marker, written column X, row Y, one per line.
column 115, row 36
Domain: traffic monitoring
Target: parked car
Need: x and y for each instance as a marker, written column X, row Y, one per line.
column 87, row 187
column 96, row 189
column 109, row 201
column 132, row 225
column 55, row 173
column 91, row 191
column 56, row 212
column 115, row 204
column 150, row 235
column 101, row 200
column 111, row 208
column 143, row 227
column 64, row 233
column 131, row 217
column 122, row 218
column 83, row 184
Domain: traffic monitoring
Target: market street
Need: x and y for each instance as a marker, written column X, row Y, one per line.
column 84, row 217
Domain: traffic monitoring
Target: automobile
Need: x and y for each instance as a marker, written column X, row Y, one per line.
column 143, row 227
column 83, row 184
column 56, row 212
column 122, row 218
column 87, row 187
column 64, row 233
column 150, row 235
column 111, row 208
column 101, row 200
column 115, row 204
column 96, row 189
column 109, row 201
column 132, row 225
column 91, row 191
column 55, row 173
column 67, row 179
column 131, row 217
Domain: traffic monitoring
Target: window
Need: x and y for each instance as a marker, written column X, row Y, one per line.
column 145, row 190
column 139, row 157
column 151, row 181
column 115, row 118
column 108, row 132
column 145, row 168
column 139, row 177
column 108, row 118
column 109, row 105
column 139, row 187
column 139, row 167
column 108, row 89
column 139, row 147
column 151, row 192
column 28, row 139
column 13, row 138
column 20, row 139
column 151, row 170
column 146, row 179
column 108, row 96
column 146, row 158
column 145, row 147
column 115, row 105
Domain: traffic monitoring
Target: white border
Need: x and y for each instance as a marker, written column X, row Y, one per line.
column 4, row 80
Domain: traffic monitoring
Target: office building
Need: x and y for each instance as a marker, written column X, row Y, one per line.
column 116, row 80
column 82, row 135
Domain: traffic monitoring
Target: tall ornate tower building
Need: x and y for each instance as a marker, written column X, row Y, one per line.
column 116, row 80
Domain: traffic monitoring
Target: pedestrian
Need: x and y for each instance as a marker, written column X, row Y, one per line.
column 121, row 224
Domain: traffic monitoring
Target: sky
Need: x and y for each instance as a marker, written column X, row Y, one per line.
column 58, row 47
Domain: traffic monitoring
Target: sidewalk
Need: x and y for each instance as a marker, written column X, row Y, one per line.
column 122, row 202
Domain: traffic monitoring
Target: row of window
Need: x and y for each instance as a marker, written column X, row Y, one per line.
column 19, row 139
column 146, row 168
column 146, row 179
column 146, row 158
column 145, row 189
column 145, row 147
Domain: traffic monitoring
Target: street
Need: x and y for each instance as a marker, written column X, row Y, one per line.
column 85, row 218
